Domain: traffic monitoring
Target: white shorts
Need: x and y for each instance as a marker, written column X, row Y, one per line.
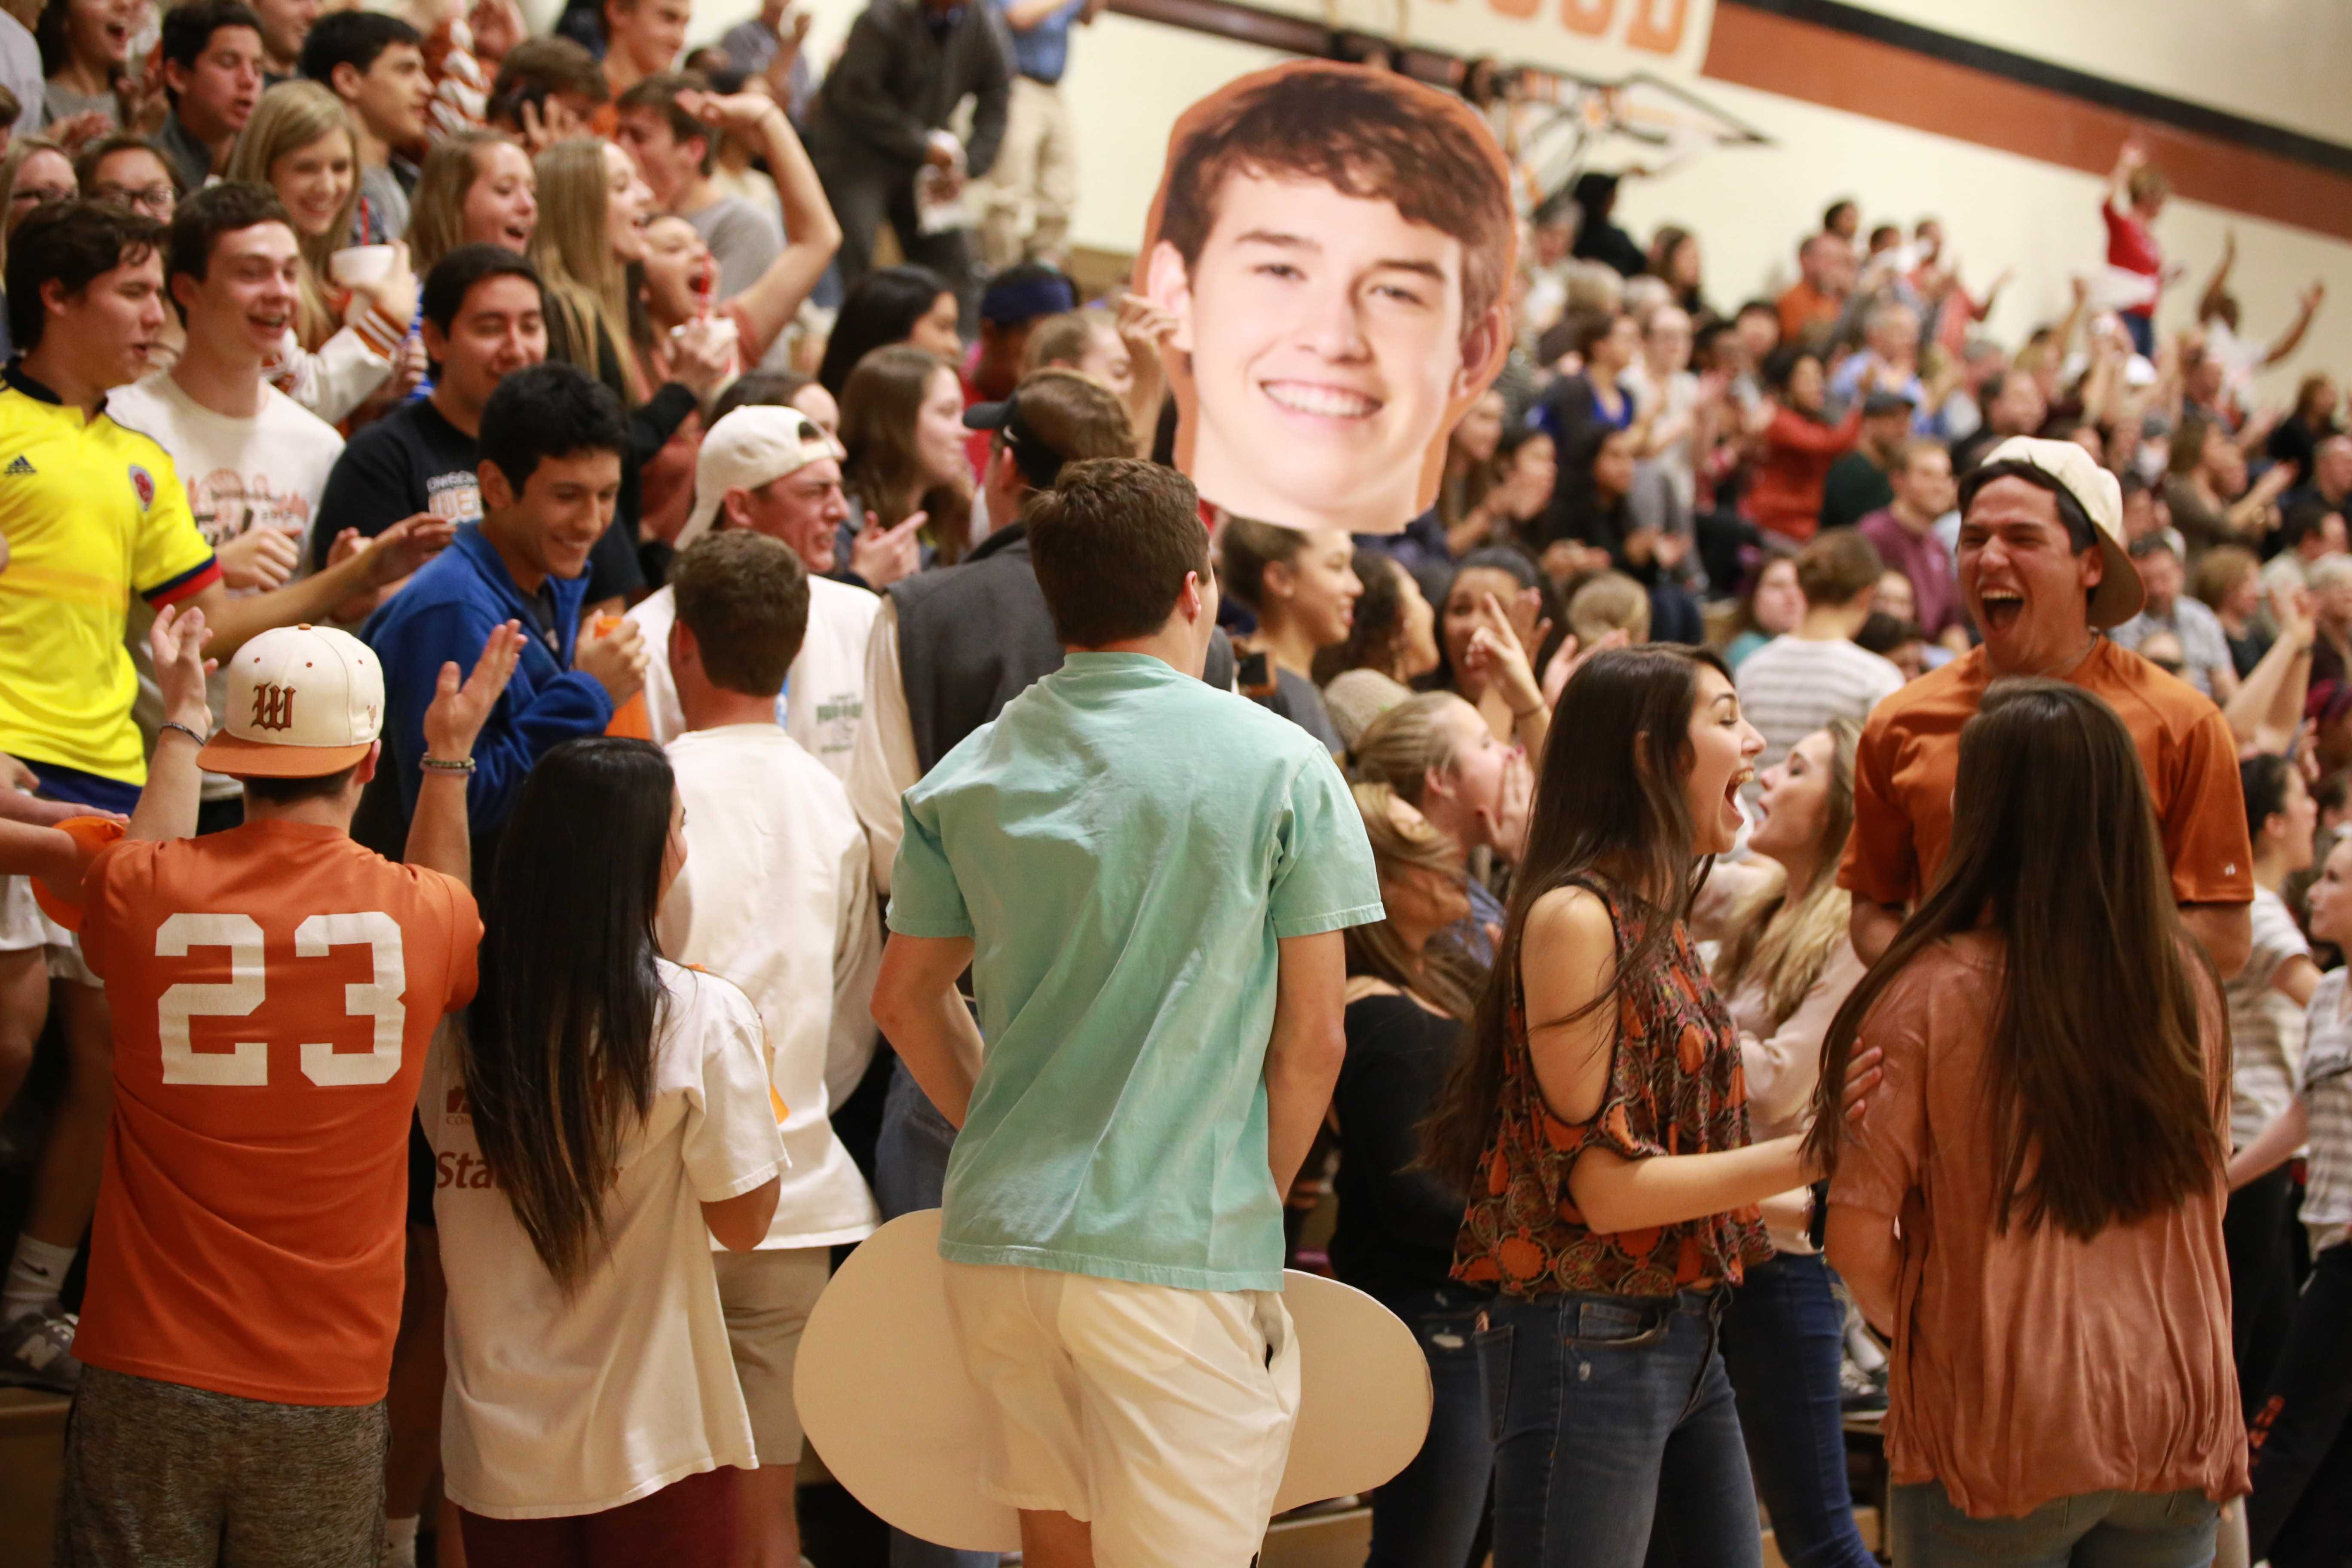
column 1163, row 1416
column 23, row 927
column 22, row 924
column 767, row 1297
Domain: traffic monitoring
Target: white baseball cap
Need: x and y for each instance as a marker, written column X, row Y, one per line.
column 2118, row 596
column 302, row 702
column 756, row 444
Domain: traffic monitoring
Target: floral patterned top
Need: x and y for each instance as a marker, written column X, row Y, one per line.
column 1676, row 1086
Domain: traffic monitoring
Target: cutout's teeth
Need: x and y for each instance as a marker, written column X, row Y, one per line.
column 1325, row 402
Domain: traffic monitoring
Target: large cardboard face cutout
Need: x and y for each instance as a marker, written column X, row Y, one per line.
column 1335, row 245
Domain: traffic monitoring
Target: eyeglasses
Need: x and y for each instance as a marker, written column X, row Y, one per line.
column 40, row 195
column 158, row 198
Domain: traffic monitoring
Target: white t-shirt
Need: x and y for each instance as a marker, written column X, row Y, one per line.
column 556, row 1407
column 268, row 471
column 824, row 691
column 2265, row 1025
column 775, row 897
column 1791, row 688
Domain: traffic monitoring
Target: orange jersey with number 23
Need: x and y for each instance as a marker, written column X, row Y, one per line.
column 273, row 990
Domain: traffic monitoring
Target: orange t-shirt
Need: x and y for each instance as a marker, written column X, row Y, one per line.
column 273, row 988
column 1910, row 756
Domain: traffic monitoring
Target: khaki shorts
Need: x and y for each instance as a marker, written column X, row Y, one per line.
column 1163, row 1416
column 767, row 1297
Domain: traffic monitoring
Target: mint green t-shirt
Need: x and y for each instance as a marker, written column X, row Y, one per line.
column 1126, row 845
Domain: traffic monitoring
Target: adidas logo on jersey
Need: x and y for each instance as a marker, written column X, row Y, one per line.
column 21, row 465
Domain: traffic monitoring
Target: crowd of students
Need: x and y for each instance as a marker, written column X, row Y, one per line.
column 441, row 521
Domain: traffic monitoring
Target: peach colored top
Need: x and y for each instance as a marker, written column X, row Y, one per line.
column 2034, row 1365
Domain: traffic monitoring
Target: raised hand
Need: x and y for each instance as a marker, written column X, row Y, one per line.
column 737, row 113
column 177, row 642
column 885, row 555
column 615, row 660
column 405, row 546
column 1496, row 655
column 258, row 558
column 459, row 711
column 394, row 294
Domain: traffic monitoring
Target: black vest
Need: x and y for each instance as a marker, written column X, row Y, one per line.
column 973, row 636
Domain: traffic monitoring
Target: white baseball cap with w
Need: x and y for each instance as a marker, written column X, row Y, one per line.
column 302, row 702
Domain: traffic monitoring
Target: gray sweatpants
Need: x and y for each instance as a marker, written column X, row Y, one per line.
column 159, row 1475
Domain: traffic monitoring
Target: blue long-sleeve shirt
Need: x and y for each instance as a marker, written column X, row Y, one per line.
column 447, row 613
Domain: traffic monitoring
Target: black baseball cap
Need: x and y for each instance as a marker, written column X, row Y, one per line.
column 1039, row 463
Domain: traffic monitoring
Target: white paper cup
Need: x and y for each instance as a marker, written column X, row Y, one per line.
column 360, row 264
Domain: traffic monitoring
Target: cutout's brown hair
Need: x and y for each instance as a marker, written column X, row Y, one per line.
column 1367, row 134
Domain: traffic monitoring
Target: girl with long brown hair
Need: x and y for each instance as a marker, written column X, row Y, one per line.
column 343, row 347
column 1597, row 1116
column 476, row 187
column 902, row 425
column 1411, row 993
column 1303, row 589
column 588, row 245
column 1784, row 965
column 2049, row 1140
column 602, row 1115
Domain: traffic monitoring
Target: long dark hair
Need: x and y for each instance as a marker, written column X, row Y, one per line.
column 880, row 309
column 1522, row 569
column 1375, row 635
column 557, row 1053
column 880, row 409
column 1609, row 806
column 2095, row 1075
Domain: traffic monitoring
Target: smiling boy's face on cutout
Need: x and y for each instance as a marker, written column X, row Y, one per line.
column 1321, row 354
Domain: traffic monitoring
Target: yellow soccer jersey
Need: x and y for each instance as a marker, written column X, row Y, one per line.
column 91, row 512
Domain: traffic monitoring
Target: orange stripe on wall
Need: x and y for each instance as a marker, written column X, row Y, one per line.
column 1862, row 75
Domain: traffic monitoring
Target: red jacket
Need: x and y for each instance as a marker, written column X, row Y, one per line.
column 1784, row 490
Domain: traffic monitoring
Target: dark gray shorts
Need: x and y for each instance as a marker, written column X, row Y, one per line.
column 159, row 1475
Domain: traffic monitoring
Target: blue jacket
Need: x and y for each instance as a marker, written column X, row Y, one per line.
column 447, row 613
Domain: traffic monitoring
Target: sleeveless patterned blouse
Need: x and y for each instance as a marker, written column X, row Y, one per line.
column 1676, row 1086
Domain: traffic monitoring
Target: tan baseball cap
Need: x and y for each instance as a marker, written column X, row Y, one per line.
column 755, row 445
column 302, row 702
column 2118, row 596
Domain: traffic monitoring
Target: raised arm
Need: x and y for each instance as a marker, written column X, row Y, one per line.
column 811, row 233
column 437, row 836
column 2217, row 287
column 2268, row 705
column 398, row 551
column 2306, row 307
column 167, row 807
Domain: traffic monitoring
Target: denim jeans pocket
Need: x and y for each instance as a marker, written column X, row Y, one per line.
column 1600, row 1323
column 2191, row 1509
column 1494, row 1347
column 2036, row 1534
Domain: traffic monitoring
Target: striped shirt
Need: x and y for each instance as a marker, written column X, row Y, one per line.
column 1791, row 687
column 2265, row 1026
column 2326, row 1088
column 2204, row 648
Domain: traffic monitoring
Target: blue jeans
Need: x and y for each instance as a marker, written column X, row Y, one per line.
column 2095, row 1530
column 1783, row 1344
column 911, row 1166
column 1427, row 1516
column 1611, row 1412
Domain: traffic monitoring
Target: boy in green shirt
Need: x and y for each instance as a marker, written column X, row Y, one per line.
column 1149, row 879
